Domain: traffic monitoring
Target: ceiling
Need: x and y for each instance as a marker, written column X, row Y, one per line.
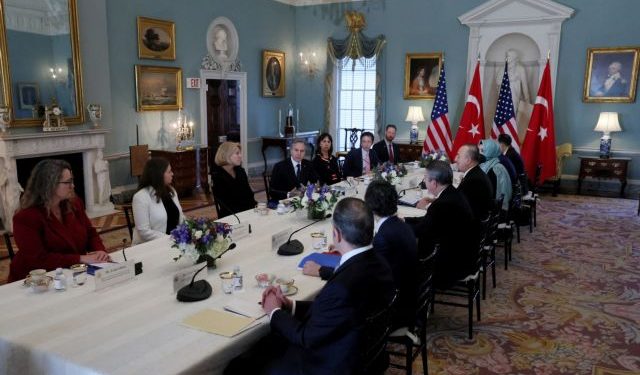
column 300, row 3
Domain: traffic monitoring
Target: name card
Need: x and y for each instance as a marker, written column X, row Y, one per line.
column 184, row 276
column 279, row 238
column 116, row 274
column 240, row 231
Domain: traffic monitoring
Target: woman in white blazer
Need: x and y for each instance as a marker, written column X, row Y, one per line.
column 156, row 209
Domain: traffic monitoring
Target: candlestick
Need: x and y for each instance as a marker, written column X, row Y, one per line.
column 297, row 117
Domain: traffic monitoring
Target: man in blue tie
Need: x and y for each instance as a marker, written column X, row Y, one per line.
column 292, row 173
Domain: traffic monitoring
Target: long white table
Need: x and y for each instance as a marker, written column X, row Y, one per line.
column 135, row 327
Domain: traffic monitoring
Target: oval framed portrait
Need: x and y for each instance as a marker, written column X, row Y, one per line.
column 273, row 73
column 222, row 41
column 156, row 39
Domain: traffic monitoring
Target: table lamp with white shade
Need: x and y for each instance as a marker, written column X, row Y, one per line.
column 607, row 123
column 414, row 116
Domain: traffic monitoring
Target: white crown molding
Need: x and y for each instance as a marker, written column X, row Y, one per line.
column 301, row 3
column 20, row 17
column 499, row 12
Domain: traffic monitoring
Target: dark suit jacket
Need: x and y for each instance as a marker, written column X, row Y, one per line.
column 327, row 171
column 45, row 242
column 396, row 243
column 508, row 165
column 476, row 187
column 326, row 335
column 283, row 177
column 448, row 222
column 382, row 152
column 516, row 160
column 353, row 162
column 233, row 194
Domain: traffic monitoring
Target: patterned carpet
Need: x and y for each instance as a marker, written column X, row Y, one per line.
column 569, row 303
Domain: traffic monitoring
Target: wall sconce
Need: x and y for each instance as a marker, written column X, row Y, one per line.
column 414, row 116
column 607, row 123
column 57, row 74
column 308, row 63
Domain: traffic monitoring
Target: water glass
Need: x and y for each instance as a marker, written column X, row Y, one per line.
column 79, row 272
column 318, row 240
column 227, row 282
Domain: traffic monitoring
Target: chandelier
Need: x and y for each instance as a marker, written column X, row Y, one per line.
column 184, row 131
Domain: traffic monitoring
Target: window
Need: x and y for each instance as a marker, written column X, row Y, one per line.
column 356, row 99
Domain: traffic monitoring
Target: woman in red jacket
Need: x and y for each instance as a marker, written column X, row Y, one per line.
column 52, row 230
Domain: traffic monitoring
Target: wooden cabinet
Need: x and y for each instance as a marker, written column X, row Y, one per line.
column 409, row 152
column 183, row 164
column 604, row 169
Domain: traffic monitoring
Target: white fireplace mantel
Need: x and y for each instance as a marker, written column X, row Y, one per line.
column 36, row 144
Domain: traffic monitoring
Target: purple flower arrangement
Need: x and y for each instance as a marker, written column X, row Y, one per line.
column 390, row 172
column 316, row 199
column 201, row 236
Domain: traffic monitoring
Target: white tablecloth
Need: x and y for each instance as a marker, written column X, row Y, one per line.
column 135, row 327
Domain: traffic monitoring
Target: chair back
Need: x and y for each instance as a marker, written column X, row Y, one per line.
column 266, row 177
column 376, row 330
column 426, row 267
column 352, row 136
column 564, row 150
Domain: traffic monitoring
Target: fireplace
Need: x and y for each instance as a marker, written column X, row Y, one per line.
column 20, row 151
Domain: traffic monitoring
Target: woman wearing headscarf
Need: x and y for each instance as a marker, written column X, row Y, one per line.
column 496, row 171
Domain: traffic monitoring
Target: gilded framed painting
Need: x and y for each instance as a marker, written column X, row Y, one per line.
column 158, row 88
column 28, row 95
column 273, row 74
column 421, row 72
column 156, row 39
column 611, row 75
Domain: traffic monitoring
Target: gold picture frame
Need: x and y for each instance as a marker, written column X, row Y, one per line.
column 421, row 73
column 156, row 39
column 158, row 88
column 273, row 74
column 611, row 75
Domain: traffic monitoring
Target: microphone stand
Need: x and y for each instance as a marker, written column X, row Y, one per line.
column 198, row 290
column 295, row 247
column 137, row 267
column 220, row 202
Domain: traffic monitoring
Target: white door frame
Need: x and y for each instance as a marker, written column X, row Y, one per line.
column 241, row 77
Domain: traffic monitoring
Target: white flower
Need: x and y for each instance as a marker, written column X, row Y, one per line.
column 393, row 174
column 383, row 174
column 197, row 234
column 304, row 201
column 315, row 196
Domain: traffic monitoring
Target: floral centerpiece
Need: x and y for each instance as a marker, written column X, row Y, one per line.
column 317, row 200
column 392, row 173
column 435, row 155
column 201, row 239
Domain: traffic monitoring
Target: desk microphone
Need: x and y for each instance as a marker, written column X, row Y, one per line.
column 295, row 247
column 220, row 202
column 196, row 290
column 138, row 265
column 402, row 192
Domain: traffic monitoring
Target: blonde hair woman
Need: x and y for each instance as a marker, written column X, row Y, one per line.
column 231, row 188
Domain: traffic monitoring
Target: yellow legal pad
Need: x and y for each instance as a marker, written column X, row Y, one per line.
column 218, row 322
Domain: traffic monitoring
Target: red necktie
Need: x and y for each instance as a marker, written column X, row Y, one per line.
column 391, row 159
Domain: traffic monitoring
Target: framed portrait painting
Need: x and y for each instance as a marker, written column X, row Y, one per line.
column 158, row 88
column 611, row 75
column 421, row 73
column 156, row 39
column 273, row 74
column 28, row 95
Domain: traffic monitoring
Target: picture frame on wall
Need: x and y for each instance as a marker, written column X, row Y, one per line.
column 28, row 95
column 421, row 73
column 611, row 75
column 158, row 88
column 156, row 39
column 273, row 74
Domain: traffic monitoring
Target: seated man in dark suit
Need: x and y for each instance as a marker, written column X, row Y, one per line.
column 325, row 336
column 292, row 173
column 505, row 146
column 448, row 222
column 386, row 150
column 361, row 160
column 475, row 184
column 395, row 242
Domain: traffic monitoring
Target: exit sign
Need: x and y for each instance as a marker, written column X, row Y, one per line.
column 193, row 83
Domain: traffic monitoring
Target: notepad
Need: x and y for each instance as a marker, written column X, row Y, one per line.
column 219, row 322
column 327, row 260
column 249, row 309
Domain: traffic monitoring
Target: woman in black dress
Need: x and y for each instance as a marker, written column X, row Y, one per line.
column 231, row 188
column 325, row 163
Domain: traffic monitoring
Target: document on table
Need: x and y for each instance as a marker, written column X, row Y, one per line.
column 219, row 322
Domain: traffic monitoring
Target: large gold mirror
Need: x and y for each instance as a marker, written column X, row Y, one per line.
column 40, row 57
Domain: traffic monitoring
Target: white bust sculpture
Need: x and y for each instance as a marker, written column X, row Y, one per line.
column 517, row 79
column 101, row 168
column 220, row 43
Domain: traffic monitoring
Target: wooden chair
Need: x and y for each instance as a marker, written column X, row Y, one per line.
column 352, row 135
column 7, row 242
column 414, row 338
column 376, row 331
column 488, row 249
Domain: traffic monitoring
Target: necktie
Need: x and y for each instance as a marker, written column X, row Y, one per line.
column 391, row 159
column 367, row 163
column 298, row 172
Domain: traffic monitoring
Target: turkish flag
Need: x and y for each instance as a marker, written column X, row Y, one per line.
column 471, row 129
column 539, row 146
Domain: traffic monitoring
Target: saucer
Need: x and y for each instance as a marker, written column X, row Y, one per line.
column 292, row 290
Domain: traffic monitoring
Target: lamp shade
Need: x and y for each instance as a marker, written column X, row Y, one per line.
column 414, row 115
column 608, row 122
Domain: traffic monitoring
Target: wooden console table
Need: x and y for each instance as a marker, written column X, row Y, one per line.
column 615, row 169
column 183, row 165
column 410, row 152
column 284, row 143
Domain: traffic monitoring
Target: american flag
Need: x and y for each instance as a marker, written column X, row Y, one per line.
column 439, row 131
column 504, row 121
